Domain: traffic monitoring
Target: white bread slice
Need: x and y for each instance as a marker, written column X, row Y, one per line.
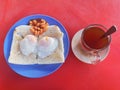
column 58, row 55
column 16, row 57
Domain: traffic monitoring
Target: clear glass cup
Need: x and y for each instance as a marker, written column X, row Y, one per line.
column 93, row 44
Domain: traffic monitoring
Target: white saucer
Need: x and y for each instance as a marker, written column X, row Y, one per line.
column 81, row 54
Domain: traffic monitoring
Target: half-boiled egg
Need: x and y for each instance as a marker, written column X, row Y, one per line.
column 46, row 46
column 28, row 45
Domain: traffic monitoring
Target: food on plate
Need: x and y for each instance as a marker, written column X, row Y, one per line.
column 45, row 48
column 39, row 26
column 28, row 45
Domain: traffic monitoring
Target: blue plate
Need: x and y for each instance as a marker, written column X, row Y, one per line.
column 34, row 71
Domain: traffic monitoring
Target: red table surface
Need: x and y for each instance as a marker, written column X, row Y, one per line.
column 74, row 15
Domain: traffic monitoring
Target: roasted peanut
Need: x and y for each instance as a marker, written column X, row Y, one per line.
column 38, row 29
column 34, row 21
column 35, row 27
column 38, row 24
column 31, row 29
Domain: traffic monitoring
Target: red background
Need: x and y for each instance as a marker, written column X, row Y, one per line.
column 74, row 15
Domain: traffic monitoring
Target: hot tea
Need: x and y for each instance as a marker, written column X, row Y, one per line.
column 92, row 38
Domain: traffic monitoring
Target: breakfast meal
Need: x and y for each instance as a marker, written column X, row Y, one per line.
column 37, row 43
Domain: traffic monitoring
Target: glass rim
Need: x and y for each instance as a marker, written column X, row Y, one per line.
column 95, row 25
